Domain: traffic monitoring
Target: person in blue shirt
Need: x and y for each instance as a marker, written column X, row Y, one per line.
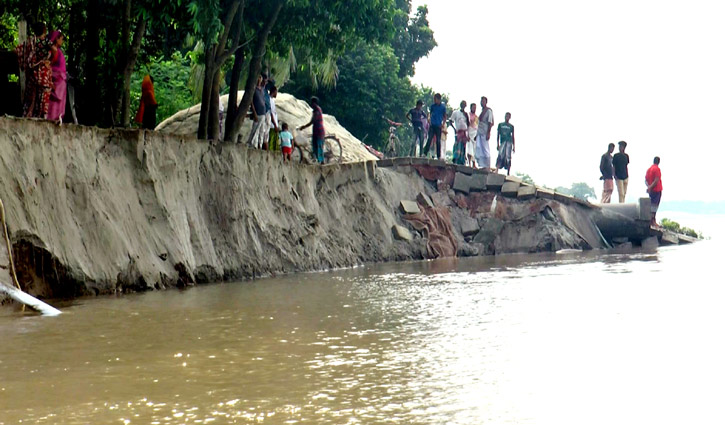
column 437, row 119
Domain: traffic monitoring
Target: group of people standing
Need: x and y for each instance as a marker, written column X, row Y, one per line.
column 473, row 132
column 615, row 168
column 41, row 59
column 269, row 133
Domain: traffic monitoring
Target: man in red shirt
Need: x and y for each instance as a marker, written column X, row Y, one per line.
column 653, row 180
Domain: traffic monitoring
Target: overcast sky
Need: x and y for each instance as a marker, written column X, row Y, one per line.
column 577, row 75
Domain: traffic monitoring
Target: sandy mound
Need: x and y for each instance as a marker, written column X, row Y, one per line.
column 291, row 110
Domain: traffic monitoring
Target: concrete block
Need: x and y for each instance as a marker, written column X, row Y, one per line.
column 419, row 161
column 513, row 179
column 495, row 181
column 464, row 169
column 544, row 193
column 526, row 192
column 489, row 231
column 510, row 189
column 424, row 200
column 469, row 226
column 564, row 199
column 438, row 163
column 645, row 211
column 441, row 199
column 669, row 238
column 650, row 243
column 462, row 183
column 478, row 183
column 409, row 207
column 401, row 233
column 370, row 167
column 387, row 162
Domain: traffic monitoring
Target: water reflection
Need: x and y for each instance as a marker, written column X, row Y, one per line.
column 514, row 339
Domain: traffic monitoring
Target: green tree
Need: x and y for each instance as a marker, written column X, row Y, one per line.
column 414, row 37
column 525, row 178
column 374, row 78
column 578, row 190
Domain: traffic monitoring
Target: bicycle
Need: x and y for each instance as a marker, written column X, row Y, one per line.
column 391, row 147
column 332, row 151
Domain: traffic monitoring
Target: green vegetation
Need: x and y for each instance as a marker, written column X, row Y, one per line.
column 578, row 190
column 171, row 80
column 674, row 226
column 357, row 56
column 524, row 178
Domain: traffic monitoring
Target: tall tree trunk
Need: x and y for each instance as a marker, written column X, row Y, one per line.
column 91, row 101
column 255, row 67
column 214, row 57
column 232, row 107
column 213, row 128
column 236, row 74
column 203, row 126
column 128, row 70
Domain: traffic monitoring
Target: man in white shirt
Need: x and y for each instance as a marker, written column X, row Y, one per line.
column 483, row 135
column 274, row 120
column 460, row 121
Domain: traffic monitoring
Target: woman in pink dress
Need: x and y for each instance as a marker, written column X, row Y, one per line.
column 56, row 106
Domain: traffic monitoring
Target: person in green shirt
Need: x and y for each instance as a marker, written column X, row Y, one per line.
column 506, row 144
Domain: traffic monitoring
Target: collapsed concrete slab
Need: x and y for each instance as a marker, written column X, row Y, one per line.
column 510, row 189
column 409, row 207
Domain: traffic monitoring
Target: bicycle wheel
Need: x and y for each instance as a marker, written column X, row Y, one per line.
column 332, row 150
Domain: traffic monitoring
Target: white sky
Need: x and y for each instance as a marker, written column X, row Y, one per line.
column 577, row 75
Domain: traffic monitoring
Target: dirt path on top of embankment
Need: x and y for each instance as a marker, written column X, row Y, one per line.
column 94, row 211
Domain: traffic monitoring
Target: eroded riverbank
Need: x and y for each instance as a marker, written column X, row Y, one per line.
column 97, row 211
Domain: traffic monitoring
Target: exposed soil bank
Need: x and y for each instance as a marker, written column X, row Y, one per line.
column 97, row 211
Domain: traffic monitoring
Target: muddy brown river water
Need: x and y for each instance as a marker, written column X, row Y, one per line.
column 573, row 338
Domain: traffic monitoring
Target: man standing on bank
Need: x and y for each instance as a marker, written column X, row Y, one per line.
column 506, row 144
column 607, row 170
column 621, row 174
column 437, row 121
column 461, row 122
column 483, row 135
column 416, row 117
column 653, row 180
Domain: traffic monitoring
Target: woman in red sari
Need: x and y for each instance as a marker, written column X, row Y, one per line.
column 33, row 58
column 42, row 75
column 146, row 115
column 56, row 107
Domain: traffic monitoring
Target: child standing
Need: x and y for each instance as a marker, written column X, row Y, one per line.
column 287, row 142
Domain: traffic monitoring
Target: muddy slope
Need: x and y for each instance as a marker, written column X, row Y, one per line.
column 94, row 211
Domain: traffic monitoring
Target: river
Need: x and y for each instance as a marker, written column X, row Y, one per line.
column 594, row 337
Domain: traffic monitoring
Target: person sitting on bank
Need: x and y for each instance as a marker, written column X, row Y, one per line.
column 607, row 170
column 621, row 174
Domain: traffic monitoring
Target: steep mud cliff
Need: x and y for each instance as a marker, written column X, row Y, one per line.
column 95, row 211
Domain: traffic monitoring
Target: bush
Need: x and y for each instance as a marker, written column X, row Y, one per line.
column 674, row 226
